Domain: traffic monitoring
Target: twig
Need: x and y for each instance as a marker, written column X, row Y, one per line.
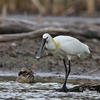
column 92, row 71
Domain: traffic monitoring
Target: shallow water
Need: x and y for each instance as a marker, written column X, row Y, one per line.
column 12, row 90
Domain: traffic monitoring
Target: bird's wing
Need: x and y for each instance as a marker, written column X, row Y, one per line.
column 62, row 38
column 70, row 45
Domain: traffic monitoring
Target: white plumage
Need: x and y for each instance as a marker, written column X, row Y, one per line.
column 67, row 47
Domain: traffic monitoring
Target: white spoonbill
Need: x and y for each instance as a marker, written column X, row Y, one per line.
column 67, row 47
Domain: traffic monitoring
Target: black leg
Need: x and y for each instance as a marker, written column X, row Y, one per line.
column 67, row 72
column 69, row 69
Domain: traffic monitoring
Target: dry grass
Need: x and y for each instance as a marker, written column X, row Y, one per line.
column 53, row 7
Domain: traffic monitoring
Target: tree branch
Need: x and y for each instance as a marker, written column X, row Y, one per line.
column 33, row 34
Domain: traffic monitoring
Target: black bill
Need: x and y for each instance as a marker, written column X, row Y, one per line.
column 41, row 48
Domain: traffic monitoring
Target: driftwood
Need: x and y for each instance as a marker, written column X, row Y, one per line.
column 13, row 29
column 94, row 70
column 11, row 26
column 18, row 26
column 84, row 87
column 33, row 34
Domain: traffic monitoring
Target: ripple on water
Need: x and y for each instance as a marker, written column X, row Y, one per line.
column 42, row 91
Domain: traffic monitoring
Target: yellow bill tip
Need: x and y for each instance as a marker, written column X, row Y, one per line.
column 37, row 57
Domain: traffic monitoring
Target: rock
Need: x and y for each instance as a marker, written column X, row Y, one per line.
column 25, row 76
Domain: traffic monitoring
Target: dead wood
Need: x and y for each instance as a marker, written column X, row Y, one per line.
column 9, row 26
column 94, row 70
column 13, row 29
column 84, row 87
column 33, row 34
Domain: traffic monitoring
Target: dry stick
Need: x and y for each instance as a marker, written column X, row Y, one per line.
column 33, row 34
column 4, row 10
column 92, row 71
column 91, row 7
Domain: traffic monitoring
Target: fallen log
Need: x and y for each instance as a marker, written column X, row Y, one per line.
column 18, row 29
column 33, row 34
column 12, row 26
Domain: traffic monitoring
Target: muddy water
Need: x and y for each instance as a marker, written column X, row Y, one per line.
column 12, row 90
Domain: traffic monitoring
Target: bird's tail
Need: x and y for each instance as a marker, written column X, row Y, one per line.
column 88, row 51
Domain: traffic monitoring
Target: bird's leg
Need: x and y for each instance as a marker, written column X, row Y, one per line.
column 66, row 75
column 69, row 69
column 67, row 72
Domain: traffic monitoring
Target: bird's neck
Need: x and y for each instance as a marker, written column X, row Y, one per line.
column 56, row 43
column 52, row 44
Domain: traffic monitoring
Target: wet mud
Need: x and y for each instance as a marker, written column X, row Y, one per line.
column 17, row 54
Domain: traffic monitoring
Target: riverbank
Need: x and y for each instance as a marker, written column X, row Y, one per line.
column 21, row 53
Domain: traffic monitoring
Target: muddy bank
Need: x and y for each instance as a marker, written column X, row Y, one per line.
column 21, row 53
column 41, row 90
column 17, row 54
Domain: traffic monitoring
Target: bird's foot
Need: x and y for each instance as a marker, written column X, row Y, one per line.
column 63, row 89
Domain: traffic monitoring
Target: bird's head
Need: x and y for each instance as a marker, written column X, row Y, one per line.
column 45, row 39
column 46, row 36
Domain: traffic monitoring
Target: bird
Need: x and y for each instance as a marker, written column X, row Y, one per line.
column 66, row 47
